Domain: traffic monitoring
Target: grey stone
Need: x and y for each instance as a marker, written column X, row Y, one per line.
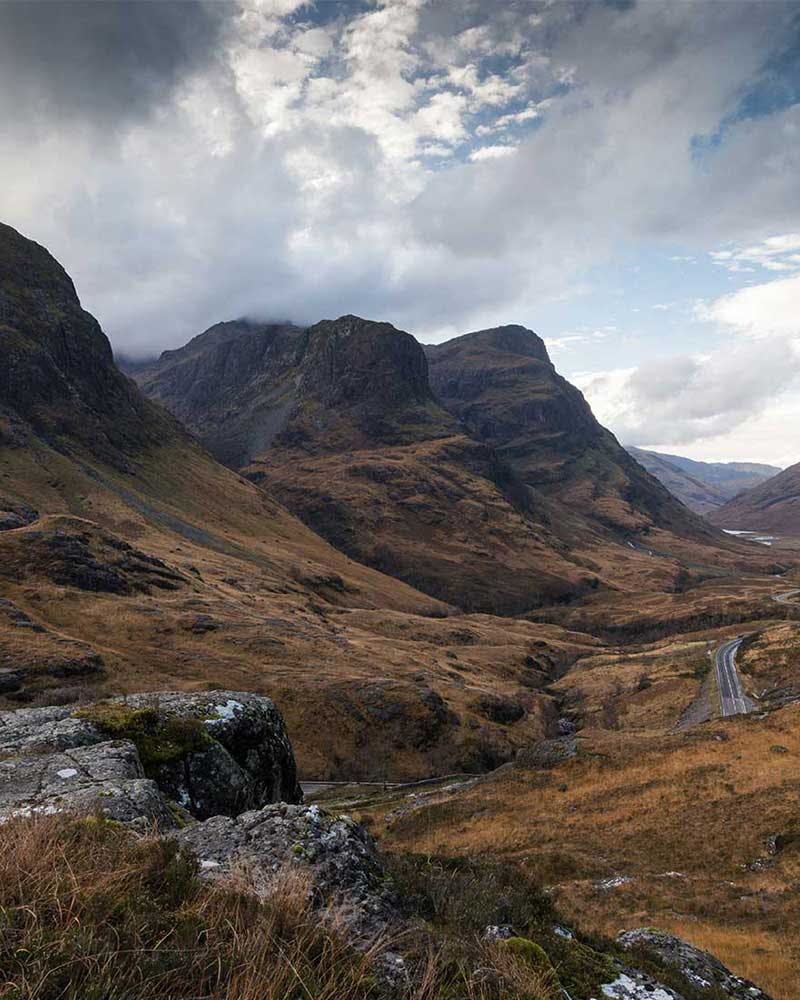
column 243, row 761
column 498, row 932
column 106, row 778
column 40, row 729
column 701, row 969
column 630, row 984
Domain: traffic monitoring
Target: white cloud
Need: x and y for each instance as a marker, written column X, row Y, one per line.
column 491, row 152
column 726, row 394
column 775, row 253
column 765, row 310
column 302, row 166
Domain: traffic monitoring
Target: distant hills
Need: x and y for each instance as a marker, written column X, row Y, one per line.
column 703, row 486
column 772, row 506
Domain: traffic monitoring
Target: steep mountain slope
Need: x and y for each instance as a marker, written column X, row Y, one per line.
column 698, row 496
column 229, row 385
column 772, row 506
column 703, row 486
column 502, row 385
column 359, row 448
column 131, row 560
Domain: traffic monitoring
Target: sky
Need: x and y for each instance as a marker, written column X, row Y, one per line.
column 622, row 177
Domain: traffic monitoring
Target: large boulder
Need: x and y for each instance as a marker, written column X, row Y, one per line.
column 105, row 778
column 703, row 970
column 338, row 853
column 219, row 754
column 231, row 749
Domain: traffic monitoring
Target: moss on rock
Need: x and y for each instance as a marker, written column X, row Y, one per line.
column 159, row 739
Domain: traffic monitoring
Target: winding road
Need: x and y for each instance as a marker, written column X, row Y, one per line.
column 786, row 597
column 732, row 699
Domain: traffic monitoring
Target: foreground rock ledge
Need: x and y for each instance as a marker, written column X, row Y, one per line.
column 210, row 755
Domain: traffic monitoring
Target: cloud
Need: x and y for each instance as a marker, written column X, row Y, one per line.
column 491, row 152
column 690, row 399
column 443, row 166
column 775, row 253
column 766, row 310
column 685, row 399
column 100, row 63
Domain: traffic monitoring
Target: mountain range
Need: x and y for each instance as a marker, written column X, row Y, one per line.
column 703, row 486
column 772, row 506
column 471, row 470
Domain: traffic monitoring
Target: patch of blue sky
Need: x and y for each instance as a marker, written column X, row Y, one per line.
column 638, row 307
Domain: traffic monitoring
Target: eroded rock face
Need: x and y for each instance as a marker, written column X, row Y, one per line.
column 339, row 853
column 702, row 969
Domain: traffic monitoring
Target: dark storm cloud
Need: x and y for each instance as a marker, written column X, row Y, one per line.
column 103, row 62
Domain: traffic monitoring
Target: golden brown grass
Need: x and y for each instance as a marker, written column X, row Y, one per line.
column 331, row 641
column 683, row 816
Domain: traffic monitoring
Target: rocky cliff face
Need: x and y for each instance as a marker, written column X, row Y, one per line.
column 58, row 377
column 232, row 385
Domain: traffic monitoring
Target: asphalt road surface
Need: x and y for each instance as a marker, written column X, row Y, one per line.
column 732, row 699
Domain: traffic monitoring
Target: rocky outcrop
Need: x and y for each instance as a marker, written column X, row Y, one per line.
column 630, row 984
column 547, row 753
column 183, row 758
column 337, row 852
column 73, row 552
column 236, row 753
column 210, row 755
column 703, row 970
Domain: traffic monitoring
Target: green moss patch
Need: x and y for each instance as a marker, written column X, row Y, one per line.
column 159, row 739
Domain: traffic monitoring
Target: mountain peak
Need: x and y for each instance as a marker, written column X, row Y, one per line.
column 508, row 339
column 352, row 359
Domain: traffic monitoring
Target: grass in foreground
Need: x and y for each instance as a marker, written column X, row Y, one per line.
column 90, row 911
